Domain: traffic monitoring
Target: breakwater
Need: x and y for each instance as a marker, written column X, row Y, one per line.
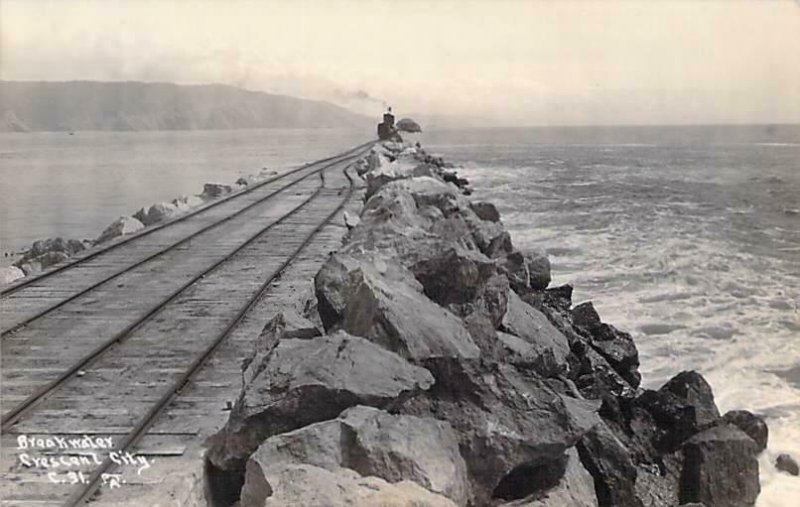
column 434, row 365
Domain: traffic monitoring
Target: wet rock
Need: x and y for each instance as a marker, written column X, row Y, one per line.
column 215, row 190
column 615, row 346
column 485, row 211
column 10, row 274
column 508, row 422
column 574, row 489
column 558, row 298
column 680, row 408
column 786, row 463
column 753, row 425
column 609, row 462
column 531, row 325
column 372, row 442
column 526, row 271
column 298, row 382
column 119, row 227
column 312, row 486
column 539, row 268
column 156, row 213
column 720, row 468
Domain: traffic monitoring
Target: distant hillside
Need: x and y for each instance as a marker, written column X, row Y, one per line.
column 86, row 105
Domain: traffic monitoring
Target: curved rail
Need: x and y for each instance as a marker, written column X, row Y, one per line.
column 338, row 159
column 149, row 230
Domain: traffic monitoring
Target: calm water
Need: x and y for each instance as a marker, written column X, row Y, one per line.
column 56, row 184
column 688, row 238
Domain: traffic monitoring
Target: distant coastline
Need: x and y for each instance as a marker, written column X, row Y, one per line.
column 72, row 106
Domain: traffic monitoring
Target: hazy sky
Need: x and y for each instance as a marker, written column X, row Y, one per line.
column 512, row 62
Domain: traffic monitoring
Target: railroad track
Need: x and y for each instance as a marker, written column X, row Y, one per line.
column 120, row 367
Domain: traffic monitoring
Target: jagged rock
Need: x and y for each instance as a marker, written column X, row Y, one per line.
column 609, row 462
column 531, row 325
column 299, row 382
column 383, row 302
column 539, row 269
column 156, row 213
column 38, row 248
column 243, row 182
column 310, row 486
column 615, row 346
column 558, row 298
column 680, row 408
column 507, row 422
column 574, row 489
column 10, row 274
column 119, row 227
column 408, row 125
column 372, row 442
column 462, row 281
column 187, row 202
column 215, row 190
column 753, row 425
column 485, row 211
column 786, row 463
column 720, row 468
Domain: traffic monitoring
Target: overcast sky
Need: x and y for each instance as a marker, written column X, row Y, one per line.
column 510, row 62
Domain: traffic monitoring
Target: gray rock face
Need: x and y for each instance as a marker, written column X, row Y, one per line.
column 10, row 274
column 574, row 489
column 753, row 425
column 720, row 468
column 524, row 321
column 215, row 190
column 389, row 312
column 299, row 382
column 156, row 213
column 615, row 346
column 119, row 227
column 41, row 247
column 508, row 423
column 375, row 443
column 786, row 463
column 485, row 211
column 310, row 486
column 609, row 462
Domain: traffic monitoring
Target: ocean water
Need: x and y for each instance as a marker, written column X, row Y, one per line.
column 57, row 184
column 689, row 238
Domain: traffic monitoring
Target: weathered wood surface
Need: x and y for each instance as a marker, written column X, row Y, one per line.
column 111, row 394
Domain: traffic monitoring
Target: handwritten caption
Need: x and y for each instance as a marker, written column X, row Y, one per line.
column 67, row 459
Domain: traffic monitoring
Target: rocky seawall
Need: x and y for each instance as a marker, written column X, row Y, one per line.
column 434, row 366
column 46, row 253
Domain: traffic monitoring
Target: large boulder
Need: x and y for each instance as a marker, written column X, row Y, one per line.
column 186, row 203
column 529, row 324
column 68, row 247
column 609, row 462
column 387, row 310
column 753, row 425
column 509, row 424
column 372, row 442
column 527, row 271
column 10, row 274
column 156, row 213
column 786, row 463
column 720, row 468
column 119, row 227
column 215, row 190
column 680, row 408
column 310, row 486
column 302, row 381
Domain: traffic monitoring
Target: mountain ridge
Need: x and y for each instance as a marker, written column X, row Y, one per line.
column 42, row 106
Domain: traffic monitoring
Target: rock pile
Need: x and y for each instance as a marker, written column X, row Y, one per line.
column 443, row 371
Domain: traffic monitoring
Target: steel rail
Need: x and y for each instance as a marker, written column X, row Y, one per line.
column 80, row 497
column 149, row 230
column 13, row 415
column 4, row 333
